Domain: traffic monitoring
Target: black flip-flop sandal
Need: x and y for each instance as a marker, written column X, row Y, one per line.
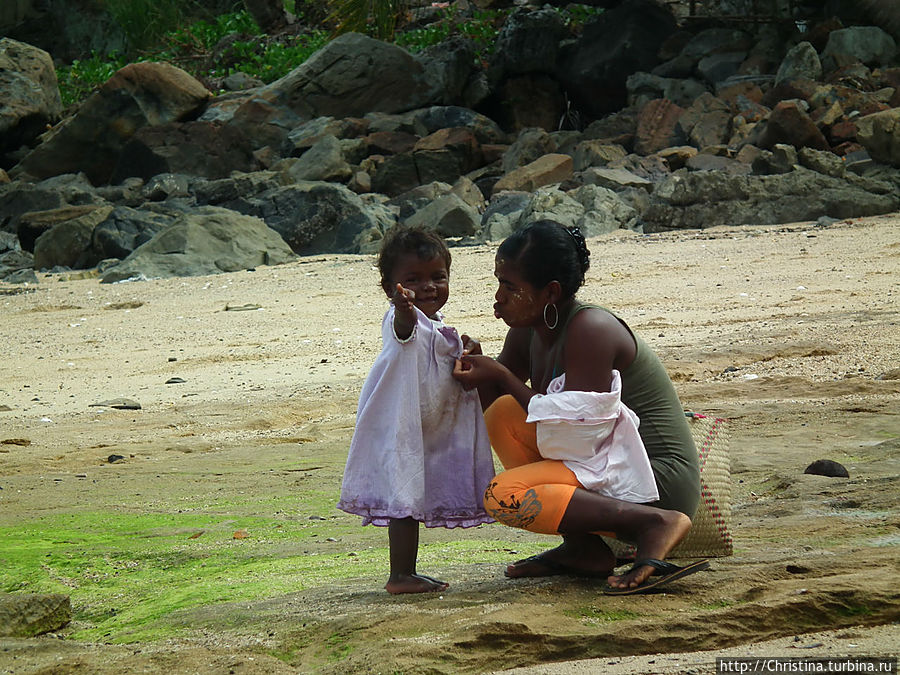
column 665, row 572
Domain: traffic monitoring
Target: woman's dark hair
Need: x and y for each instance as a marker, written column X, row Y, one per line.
column 546, row 251
column 401, row 240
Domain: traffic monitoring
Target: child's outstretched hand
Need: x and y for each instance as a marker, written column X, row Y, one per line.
column 405, row 313
column 404, row 300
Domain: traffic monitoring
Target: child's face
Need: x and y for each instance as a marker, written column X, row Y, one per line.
column 428, row 279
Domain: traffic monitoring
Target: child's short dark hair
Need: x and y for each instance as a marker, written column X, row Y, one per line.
column 402, row 239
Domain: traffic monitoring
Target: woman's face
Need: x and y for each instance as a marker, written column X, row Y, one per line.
column 516, row 301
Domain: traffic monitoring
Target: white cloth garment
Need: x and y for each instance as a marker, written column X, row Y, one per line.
column 596, row 436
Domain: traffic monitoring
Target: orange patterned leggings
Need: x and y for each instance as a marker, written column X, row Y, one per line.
column 533, row 493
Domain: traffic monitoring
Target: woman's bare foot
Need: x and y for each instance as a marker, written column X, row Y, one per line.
column 414, row 583
column 655, row 542
column 578, row 555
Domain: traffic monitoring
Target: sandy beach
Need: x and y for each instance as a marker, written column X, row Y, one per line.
column 247, row 386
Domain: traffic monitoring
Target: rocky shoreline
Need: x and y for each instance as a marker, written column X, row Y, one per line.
column 641, row 121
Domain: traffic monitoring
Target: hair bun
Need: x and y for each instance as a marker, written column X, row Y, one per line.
column 584, row 256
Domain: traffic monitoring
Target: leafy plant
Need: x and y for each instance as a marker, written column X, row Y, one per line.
column 145, row 21
column 78, row 80
column 377, row 18
column 481, row 28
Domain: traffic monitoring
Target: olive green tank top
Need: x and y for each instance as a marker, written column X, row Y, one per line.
column 648, row 391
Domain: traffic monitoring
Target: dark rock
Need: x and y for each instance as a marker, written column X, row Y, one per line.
column 324, row 160
column 617, row 43
column 209, row 240
column 532, row 100
column 390, row 142
column 528, row 43
column 658, row 127
column 302, row 137
column 428, row 120
column 349, row 77
column 30, row 102
column 314, row 217
column 68, row 244
column 827, row 467
column 450, row 67
column 529, row 145
column 788, row 123
column 124, row 230
column 138, row 95
column 880, row 135
column 705, row 198
column 864, row 44
column 195, row 148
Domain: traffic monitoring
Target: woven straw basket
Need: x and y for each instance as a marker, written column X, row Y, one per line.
column 710, row 535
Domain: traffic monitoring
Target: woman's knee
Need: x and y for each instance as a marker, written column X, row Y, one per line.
column 511, row 503
column 499, row 414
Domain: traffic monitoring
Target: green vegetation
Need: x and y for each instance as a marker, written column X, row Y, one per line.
column 481, row 28
column 592, row 614
column 192, row 48
column 129, row 574
column 180, row 33
column 378, row 18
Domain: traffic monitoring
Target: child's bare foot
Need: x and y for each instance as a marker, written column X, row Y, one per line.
column 414, row 583
column 655, row 542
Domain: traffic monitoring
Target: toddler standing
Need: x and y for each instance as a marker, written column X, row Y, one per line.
column 420, row 451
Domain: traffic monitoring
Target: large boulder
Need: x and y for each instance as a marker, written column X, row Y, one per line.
column 450, row 67
column 29, row 95
column 801, row 62
column 709, row 198
column 315, row 217
column 879, row 133
column 864, row 44
column 68, row 243
column 350, row 76
column 617, row 43
column 208, row 240
column 195, row 148
column 92, row 140
column 527, row 43
column 447, row 215
column 124, row 230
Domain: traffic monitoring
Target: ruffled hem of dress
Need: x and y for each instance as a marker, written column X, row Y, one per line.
column 381, row 518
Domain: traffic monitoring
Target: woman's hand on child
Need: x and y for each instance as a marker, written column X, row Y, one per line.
column 470, row 345
column 472, row 371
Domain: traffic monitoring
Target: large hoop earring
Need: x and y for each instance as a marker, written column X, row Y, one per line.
column 555, row 316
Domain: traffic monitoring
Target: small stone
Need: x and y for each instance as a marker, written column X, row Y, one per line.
column 112, row 459
column 827, row 467
column 175, row 380
column 118, row 404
